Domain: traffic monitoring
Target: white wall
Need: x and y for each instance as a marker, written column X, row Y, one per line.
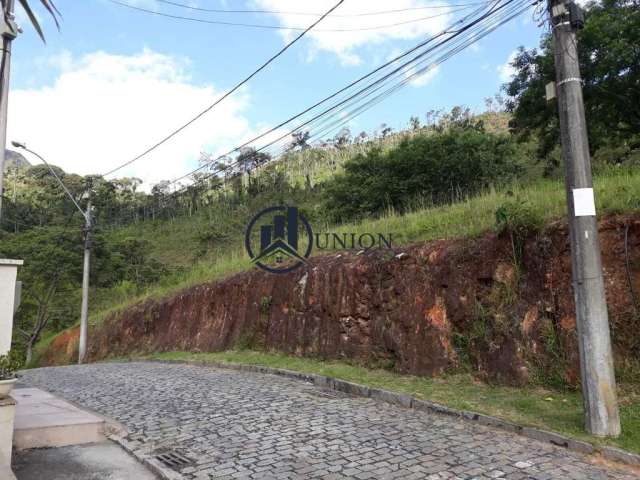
column 8, row 272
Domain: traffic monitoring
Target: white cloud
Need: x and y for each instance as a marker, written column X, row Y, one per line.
column 506, row 70
column 62, row 60
column 423, row 78
column 345, row 44
column 104, row 109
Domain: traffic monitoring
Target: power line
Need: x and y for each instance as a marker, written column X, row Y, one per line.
column 382, row 96
column 202, row 20
column 280, row 27
column 472, row 35
column 333, row 95
column 342, row 120
column 467, row 37
column 431, row 64
column 210, row 107
column 448, row 54
column 509, row 15
column 309, row 14
column 360, row 92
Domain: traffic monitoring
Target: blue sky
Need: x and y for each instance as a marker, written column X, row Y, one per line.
column 114, row 80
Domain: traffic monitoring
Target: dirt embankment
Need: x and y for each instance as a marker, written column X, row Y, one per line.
column 422, row 309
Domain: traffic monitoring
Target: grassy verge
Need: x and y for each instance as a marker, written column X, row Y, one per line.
column 555, row 410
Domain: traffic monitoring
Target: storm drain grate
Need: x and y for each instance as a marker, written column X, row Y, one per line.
column 173, row 460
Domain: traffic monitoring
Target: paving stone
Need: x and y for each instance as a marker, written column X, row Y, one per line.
column 240, row 424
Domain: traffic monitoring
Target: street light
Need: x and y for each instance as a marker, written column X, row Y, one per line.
column 84, row 312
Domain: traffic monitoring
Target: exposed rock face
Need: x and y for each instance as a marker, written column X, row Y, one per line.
column 15, row 160
column 423, row 309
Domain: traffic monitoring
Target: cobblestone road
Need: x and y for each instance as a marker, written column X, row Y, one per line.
column 237, row 425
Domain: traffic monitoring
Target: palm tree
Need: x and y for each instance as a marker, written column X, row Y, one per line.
column 47, row 4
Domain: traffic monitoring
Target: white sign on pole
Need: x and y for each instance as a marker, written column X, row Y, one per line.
column 584, row 204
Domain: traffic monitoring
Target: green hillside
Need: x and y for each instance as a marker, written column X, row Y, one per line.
column 491, row 324
column 152, row 245
column 447, row 174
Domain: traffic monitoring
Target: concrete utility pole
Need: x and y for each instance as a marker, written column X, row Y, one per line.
column 14, row 196
column 9, row 33
column 84, row 312
column 596, row 359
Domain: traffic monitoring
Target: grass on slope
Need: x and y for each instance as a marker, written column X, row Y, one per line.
column 473, row 216
column 555, row 410
column 617, row 192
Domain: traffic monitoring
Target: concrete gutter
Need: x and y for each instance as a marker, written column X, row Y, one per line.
column 407, row 401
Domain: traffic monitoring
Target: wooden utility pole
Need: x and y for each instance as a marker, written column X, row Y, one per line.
column 84, row 312
column 596, row 359
column 9, row 31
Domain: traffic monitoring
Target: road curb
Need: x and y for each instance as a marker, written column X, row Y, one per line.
column 407, row 401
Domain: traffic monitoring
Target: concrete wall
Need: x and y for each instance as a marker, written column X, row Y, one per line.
column 8, row 272
column 7, row 414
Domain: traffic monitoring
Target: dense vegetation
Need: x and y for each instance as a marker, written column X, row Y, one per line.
column 443, row 165
column 610, row 67
column 451, row 174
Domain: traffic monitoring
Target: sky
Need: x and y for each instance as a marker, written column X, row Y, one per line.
column 113, row 80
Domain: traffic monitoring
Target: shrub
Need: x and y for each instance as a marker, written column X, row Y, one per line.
column 8, row 367
column 441, row 166
column 517, row 219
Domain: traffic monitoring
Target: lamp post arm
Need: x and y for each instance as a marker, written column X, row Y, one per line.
column 53, row 172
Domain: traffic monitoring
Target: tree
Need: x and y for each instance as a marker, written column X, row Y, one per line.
column 385, row 130
column 160, row 194
column 197, row 190
column 610, row 67
column 210, row 163
column 249, row 158
column 415, row 123
column 104, row 199
column 342, row 138
column 300, row 141
column 361, row 137
column 53, row 266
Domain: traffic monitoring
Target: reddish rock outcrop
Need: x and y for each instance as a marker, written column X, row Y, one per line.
column 423, row 309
